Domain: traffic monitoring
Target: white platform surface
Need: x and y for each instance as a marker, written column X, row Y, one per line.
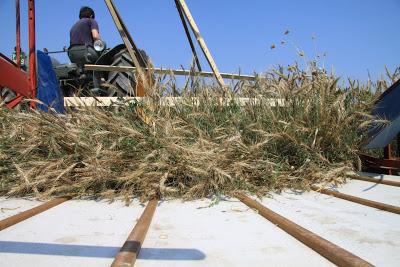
column 90, row 233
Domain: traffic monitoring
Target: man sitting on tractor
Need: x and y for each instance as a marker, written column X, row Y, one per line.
column 82, row 37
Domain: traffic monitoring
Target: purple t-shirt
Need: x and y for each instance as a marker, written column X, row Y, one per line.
column 81, row 32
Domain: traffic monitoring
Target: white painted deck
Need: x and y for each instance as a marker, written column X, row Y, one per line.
column 90, row 233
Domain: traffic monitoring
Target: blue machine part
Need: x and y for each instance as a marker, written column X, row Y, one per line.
column 48, row 90
column 387, row 107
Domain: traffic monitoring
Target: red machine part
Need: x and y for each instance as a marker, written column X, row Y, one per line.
column 14, row 78
column 32, row 50
column 11, row 75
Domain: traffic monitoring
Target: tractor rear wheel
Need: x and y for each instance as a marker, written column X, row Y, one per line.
column 123, row 83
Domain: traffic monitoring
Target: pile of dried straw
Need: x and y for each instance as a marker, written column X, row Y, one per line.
column 194, row 149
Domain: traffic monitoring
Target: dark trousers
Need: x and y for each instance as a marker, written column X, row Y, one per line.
column 84, row 54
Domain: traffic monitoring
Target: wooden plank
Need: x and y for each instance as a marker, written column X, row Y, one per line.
column 119, row 24
column 140, row 85
column 165, row 101
column 141, row 81
column 375, row 180
column 358, row 200
column 30, row 213
column 201, row 42
column 170, row 71
column 131, row 248
column 141, row 60
column 330, row 251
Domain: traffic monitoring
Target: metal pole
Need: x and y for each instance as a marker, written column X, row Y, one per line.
column 179, row 8
column 18, row 99
column 18, row 34
column 32, row 50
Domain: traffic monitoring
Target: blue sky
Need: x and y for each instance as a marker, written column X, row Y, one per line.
column 357, row 36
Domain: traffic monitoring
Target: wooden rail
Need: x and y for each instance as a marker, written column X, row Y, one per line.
column 131, row 248
column 166, row 101
column 358, row 200
column 130, row 45
column 375, row 180
column 330, row 251
column 30, row 213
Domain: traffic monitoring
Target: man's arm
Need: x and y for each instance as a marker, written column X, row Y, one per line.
column 95, row 30
column 95, row 34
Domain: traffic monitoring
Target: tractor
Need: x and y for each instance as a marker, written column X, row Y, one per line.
column 74, row 80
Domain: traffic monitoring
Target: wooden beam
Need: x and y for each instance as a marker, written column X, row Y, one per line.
column 201, row 42
column 122, row 31
column 170, row 71
column 387, row 152
column 140, row 58
column 166, row 101
column 32, row 212
column 330, row 251
column 141, row 81
column 375, row 180
column 129, row 252
column 358, row 200
column 398, row 145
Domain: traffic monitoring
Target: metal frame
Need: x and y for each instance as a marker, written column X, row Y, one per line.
column 181, row 72
column 389, row 163
column 23, row 83
column 386, row 165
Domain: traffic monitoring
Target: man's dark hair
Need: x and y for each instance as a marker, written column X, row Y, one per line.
column 86, row 12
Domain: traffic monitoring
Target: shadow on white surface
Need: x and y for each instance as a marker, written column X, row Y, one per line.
column 175, row 254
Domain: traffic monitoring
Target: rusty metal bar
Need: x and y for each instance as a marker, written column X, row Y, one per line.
column 374, row 180
column 330, row 251
column 30, row 213
column 362, row 201
column 131, row 248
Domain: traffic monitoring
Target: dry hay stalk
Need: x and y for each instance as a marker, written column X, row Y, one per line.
column 192, row 151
